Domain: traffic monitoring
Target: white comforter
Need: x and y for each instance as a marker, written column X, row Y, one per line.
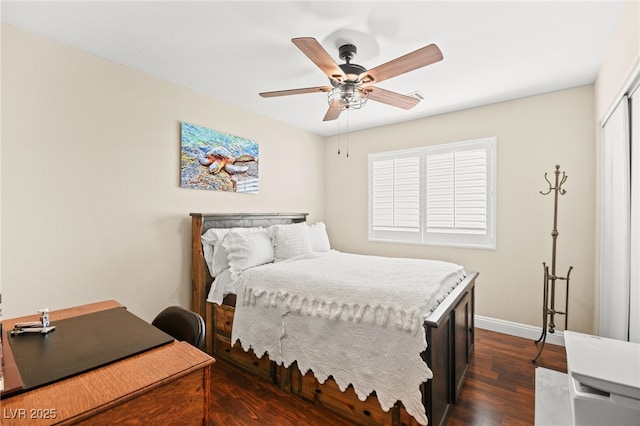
column 353, row 317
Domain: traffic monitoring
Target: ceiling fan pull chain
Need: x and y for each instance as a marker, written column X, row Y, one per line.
column 339, row 137
column 347, row 133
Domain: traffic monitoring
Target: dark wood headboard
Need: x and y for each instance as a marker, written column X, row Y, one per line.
column 201, row 223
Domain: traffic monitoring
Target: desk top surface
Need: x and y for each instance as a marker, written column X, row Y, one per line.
column 82, row 343
column 86, row 337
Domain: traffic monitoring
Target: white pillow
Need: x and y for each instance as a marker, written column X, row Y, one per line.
column 319, row 238
column 211, row 240
column 246, row 250
column 214, row 253
column 290, row 240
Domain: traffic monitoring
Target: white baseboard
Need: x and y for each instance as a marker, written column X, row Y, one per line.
column 516, row 329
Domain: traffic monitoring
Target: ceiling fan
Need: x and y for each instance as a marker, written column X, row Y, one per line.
column 352, row 84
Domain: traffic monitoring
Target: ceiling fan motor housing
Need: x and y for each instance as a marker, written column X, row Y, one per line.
column 347, row 52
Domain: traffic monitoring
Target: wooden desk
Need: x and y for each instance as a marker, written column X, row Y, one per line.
column 166, row 385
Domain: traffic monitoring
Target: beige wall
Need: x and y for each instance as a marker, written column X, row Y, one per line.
column 533, row 135
column 621, row 61
column 91, row 203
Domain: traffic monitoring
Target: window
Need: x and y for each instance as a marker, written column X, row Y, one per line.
column 442, row 195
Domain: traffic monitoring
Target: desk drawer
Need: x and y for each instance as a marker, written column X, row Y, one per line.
column 180, row 401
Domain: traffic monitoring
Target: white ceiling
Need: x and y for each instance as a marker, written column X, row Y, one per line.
column 493, row 51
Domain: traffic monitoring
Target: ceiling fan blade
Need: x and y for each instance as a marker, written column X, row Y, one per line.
column 409, row 62
column 295, row 91
column 392, row 98
column 333, row 112
column 314, row 51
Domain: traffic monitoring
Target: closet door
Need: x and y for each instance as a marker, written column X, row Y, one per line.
column 634, row 287
column 614, row 225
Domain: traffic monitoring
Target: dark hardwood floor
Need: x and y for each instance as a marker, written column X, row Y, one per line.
column 499, row 390
column 500, row 384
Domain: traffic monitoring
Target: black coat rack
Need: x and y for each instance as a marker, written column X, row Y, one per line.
column 549, row 284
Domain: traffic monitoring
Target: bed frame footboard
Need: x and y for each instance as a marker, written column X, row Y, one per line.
column 451, row 339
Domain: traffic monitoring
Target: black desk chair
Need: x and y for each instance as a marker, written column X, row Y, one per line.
column 182, row 324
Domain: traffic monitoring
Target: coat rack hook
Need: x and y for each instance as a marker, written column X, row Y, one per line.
column 550, row 186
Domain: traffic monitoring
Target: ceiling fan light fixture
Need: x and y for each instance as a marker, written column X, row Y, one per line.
column 347, row 96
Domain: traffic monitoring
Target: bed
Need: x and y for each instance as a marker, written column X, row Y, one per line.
column 448, row 330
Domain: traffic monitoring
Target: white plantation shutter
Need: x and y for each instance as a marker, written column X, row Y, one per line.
column 406, row 191
column 457, row 200
column 471, row 191
column 440, row 191
column 382, row 194
column 395, row 194
column 456, row 192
